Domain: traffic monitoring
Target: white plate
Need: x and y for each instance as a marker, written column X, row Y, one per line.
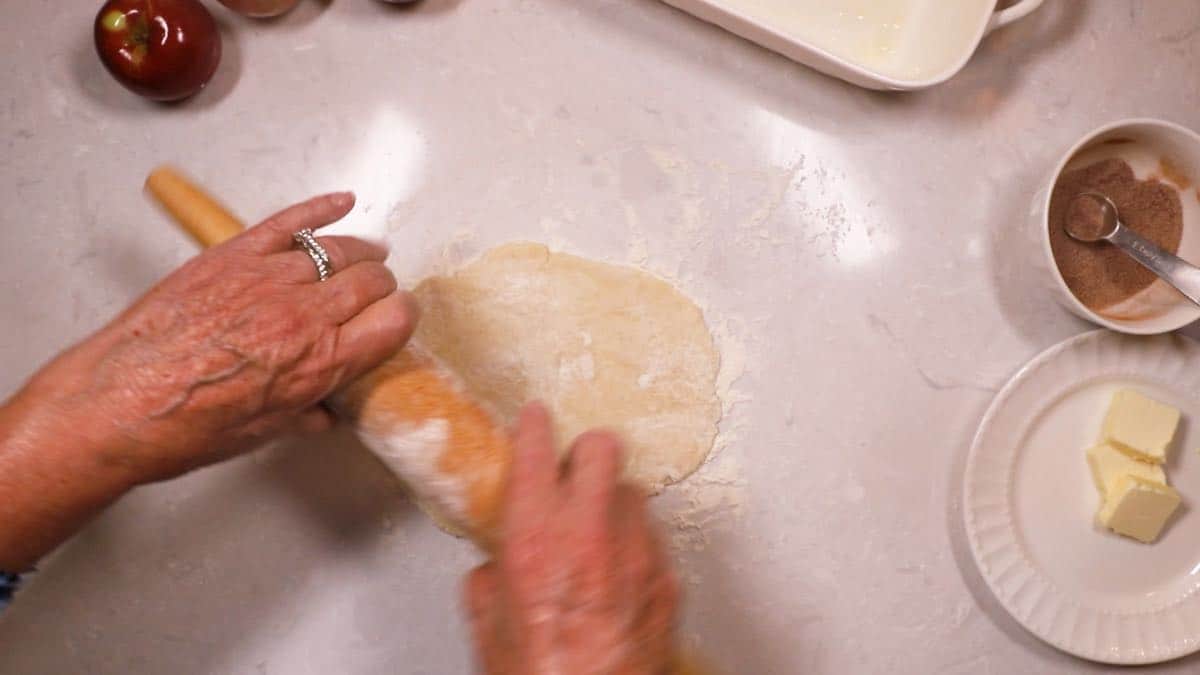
column 1029, row 503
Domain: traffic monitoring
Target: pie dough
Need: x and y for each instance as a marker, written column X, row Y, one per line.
column 601, row 345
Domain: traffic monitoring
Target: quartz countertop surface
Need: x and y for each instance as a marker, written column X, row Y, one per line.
column 858, row 254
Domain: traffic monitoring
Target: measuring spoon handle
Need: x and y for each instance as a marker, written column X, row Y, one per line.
column 1172, row 269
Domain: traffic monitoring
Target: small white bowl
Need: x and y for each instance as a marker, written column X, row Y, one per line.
column 1159, row 309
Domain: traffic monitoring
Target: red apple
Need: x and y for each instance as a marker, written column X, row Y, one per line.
column 161, row 49
column 260, row 9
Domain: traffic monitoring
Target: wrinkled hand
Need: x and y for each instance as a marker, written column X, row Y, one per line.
column 238, row 344
column 580, row 584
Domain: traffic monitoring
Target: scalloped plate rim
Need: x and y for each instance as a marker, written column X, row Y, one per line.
column 969, row 497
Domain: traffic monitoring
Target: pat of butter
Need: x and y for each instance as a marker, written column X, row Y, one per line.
column 1108, row 464
column 1139, row 508
column 1140, row 426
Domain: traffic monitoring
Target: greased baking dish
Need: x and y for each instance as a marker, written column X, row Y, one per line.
column 878, row 44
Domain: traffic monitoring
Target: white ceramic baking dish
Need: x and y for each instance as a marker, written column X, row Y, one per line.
column 878, row 44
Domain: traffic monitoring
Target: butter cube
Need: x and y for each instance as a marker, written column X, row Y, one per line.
column 1139, row 508
column 1108, row 464
column 1140, row 426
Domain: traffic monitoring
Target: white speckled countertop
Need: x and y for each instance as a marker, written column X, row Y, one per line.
column 856, row 248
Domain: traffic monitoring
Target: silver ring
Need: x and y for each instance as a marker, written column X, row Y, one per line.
column 316, row 251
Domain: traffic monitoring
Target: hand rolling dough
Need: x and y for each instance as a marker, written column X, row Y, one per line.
column 601, row 345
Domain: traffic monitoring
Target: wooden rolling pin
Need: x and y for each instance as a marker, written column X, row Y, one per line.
column 411, row 411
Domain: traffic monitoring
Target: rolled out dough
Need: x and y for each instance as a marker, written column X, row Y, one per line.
column 601, row 345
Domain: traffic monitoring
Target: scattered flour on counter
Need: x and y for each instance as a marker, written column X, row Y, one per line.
column 732, row 347
column 962, row 612
column 688, row 191
column 56, row 102
column 638, row 253
column 715, row 494
column 854, row 490
column 712, row 497
column 459, row 248
column 681, row 248
column 552, row 233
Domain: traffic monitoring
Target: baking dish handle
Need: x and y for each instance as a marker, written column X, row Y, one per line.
column 1017, row 10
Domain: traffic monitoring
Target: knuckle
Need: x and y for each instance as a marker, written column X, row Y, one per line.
column 380, row 277
column 389, row 328
column 389, row 280
column 279, row 224
column 348, row 295
column 410, row 309
column 404, row 312
column 273, row 223
column 396, row 324
column 391, row 334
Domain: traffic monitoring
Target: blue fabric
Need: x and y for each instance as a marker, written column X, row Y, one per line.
column 8, row 586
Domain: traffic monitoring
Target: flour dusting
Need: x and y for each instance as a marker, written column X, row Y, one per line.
column 413, row 451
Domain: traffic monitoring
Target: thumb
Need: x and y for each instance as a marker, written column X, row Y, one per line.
column 482, row 598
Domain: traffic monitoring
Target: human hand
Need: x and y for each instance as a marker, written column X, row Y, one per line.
column 238, row 344
column 580, row 584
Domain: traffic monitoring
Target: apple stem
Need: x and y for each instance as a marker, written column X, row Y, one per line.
column 139, row 32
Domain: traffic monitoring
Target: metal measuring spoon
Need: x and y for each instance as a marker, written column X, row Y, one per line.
column 1092, row 217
